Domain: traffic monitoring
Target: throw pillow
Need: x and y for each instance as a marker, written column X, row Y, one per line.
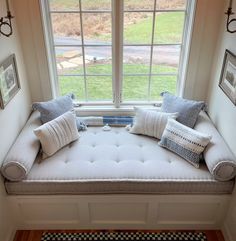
column 184, row 141
column 50, row 110
column 150, row 123
column 57, row 133
column 188, row 109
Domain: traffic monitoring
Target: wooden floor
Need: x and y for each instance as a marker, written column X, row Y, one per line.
column 26, row 235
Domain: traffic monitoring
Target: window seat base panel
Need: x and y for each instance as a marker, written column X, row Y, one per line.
column 119, row 211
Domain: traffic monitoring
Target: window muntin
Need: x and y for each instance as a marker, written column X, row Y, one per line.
column 142, row 78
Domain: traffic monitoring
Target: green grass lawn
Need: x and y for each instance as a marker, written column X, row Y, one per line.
column 168, row 29
column 134, row 88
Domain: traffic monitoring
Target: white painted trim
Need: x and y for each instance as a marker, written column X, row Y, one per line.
column 185, row 51
column 48, row 39
column 119, row 211
column 10, row 234
column 226, row 233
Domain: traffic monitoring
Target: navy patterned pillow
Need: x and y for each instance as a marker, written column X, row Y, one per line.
column 184, row 141
column 188, row 109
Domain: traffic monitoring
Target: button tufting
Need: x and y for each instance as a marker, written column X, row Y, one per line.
column 91, row 161
column 117, row 145
column 66, row 161
column 93, row 145
column 140, row 145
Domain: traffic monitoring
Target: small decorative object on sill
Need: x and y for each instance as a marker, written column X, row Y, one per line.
column 228, row 76
column 5, row 23
column 106, row 127
column 9, row 80
column 233, row 20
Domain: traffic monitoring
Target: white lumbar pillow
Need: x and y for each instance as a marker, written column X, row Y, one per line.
column 151, row 123
column 57, row 133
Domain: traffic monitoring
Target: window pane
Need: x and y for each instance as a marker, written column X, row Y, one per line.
column 66, row 28
column 64, row 5
column 69, row 60
column 136, row 59
column 99, row 88
column 97, row 28
column 169, row 27
column 96, row 4
column 135, row 88
column 165, row 59
column 98, row 60
column 138, row 28
column 138, row 4
column 160, row 84
column 170, row 4
column 72, row 84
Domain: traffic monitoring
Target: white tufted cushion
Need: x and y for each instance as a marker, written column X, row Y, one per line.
column 116, row 162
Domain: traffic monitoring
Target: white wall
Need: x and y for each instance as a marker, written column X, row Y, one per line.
column 205, row 32
column 29, row 22
column 221, row 109
column 13, row 117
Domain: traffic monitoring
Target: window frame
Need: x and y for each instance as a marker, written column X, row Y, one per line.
column 117, row 12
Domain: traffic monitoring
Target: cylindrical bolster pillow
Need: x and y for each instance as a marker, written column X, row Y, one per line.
column 218, row 157
column 22, row 154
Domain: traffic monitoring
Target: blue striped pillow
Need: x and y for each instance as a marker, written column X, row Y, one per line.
column 184, row 141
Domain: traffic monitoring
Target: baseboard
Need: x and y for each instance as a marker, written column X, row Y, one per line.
column 10, row 234
column 227, row 234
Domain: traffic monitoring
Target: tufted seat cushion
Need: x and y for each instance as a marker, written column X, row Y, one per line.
column 116, row 162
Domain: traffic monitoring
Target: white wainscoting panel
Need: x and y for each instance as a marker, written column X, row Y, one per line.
column 120, row 211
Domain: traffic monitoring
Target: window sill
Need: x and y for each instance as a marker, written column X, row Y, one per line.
column 100, row 110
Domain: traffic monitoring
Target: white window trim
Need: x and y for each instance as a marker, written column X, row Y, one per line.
column 117, row 59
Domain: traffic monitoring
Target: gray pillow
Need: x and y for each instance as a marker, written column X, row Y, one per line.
column 188, row 109
column 50, row 110
column 184, row 141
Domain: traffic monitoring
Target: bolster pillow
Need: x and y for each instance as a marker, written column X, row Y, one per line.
column 22, row 154
column 218, row 157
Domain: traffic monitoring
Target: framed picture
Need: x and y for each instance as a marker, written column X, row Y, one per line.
column 9, row 80
column 228, row 76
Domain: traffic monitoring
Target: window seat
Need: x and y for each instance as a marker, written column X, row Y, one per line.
column 116, row 162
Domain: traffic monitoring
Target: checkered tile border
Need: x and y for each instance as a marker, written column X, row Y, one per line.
column 124, row 236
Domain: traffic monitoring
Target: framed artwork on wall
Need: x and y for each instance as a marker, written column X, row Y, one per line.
column 228, row 76
column 9, row 80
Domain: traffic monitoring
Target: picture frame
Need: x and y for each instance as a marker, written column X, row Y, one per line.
column 228, row 76
column 9, row 80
